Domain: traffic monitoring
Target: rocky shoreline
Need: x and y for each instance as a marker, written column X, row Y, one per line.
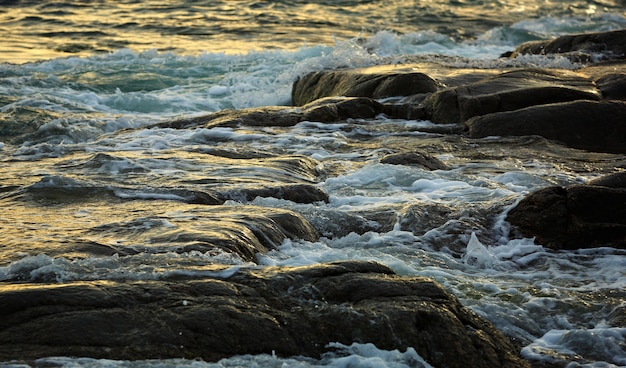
column 298, row 311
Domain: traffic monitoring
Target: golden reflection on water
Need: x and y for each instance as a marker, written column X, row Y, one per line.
column 46, row 31
column 101, row 28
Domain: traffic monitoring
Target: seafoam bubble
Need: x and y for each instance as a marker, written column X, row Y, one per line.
column 343, row 356
column 596, row 347
column 477, row 254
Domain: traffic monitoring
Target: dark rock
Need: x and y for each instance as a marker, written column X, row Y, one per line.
column 337, row 108
column 416, row 158
column 421, row 217
column 591, row 125
column 543, row 215
column 323, row 110
column 609, row 77
column 299, row 193
column 602, row 45
column 612, row 86
column 369, row 82
column 580, row 216
column 508, row 91
column 616, row 180
column 410, row 108
column 260, row 116
column 191, row 196
column 531, row 101
column 289, row 311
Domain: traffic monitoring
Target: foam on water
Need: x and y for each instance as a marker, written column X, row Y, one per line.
column 553, row 302
column 605, row 345
column 148, row 85
column 143, row 266
column 342, row 356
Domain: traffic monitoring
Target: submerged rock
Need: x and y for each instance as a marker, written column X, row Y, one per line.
column 286, row 311
column 298, row 193
column 580, row 47
column 416, row 158
column 580, row 216
column 323, row 110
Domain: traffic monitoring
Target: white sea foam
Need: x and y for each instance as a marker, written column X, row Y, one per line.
column 477, row 254
column 43, row 268
column 529, row 292
column 339, row 356
column 606, row 346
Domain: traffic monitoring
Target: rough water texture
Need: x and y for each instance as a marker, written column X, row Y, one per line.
column 367, row 204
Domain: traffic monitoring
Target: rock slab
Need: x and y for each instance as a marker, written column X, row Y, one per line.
column 289, row 311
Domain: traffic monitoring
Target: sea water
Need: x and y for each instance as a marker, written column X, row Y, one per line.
column 95, row 75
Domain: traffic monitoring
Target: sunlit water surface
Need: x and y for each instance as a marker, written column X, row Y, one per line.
column 94, row 194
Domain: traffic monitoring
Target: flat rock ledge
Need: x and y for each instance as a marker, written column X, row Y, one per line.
column 286, row 311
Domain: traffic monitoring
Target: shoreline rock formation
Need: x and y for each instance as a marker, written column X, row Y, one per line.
column 298, row 311
column 288, row 311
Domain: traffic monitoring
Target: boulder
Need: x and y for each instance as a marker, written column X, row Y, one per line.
column 299, row 193
column 612, row 86
column 580, row 216
column 556, row 104
column 360, row 83
column 616, row 180
column 582, row 47
column 508, row 91
column 415, row 158
column 286, row 311
column 591, row 125
column 332, row 109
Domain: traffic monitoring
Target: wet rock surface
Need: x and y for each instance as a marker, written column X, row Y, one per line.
column 590, row 125
column 417, row 158
column 553, row 103
column 354, row 84
column 288, row 311
column 579, row 216
column 583, row 47
column 298, row 311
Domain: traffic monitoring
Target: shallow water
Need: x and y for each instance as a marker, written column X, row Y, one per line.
column 92, row 190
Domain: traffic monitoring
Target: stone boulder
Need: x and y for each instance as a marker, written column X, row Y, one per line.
column 286, row 311
column 609, row 77
column 332, row 109
column 580, row 216
column 580, row 47
column 414, row 158
column 298, row 193
column 508, row 91
column 360, row 83
column 598, row 126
